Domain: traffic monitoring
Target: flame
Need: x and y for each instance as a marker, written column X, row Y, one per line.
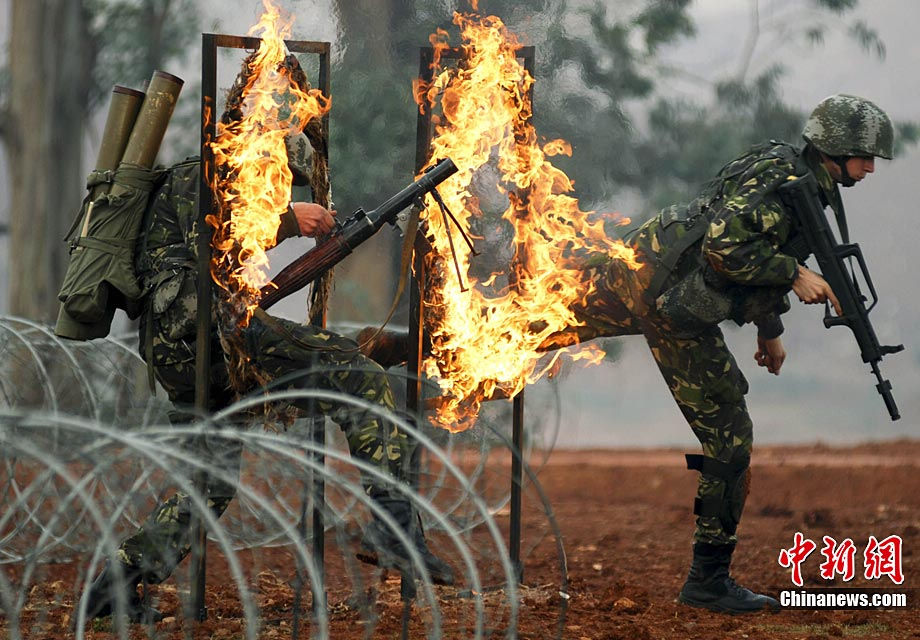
column 251, row 156
column 484, row 343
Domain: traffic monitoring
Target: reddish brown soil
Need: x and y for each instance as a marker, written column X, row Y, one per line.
column 627, row 527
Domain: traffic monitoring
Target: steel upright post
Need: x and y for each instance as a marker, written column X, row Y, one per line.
column 203, row 336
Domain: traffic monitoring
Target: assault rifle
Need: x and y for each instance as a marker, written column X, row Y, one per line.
column 835, row 262
column 348, row 235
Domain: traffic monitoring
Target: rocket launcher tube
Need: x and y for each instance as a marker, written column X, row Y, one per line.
column 119, row 121
column 123, row 110
column 154, row 116
column 358, row 228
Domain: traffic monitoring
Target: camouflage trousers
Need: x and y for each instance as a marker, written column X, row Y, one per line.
column 704, row 380
column 296, row 357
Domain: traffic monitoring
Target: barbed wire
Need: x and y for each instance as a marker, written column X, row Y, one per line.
column 88, row 453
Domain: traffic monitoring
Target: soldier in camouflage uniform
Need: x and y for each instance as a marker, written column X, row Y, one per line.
column 732, row 253
column 293, row 355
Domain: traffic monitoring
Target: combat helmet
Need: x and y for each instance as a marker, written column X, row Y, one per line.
column 300, row 155
column 845, row 125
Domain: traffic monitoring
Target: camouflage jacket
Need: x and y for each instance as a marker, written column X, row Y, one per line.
column 745, row 250
column 167, row 262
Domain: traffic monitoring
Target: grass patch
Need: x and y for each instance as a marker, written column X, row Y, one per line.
column 102, row 624
column 864, row 630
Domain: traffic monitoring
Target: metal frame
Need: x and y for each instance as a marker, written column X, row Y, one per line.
column 210, row 43
column 414, row 399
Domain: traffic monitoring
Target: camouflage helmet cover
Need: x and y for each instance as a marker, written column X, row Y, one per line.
column 300, row 154
column 845, row 125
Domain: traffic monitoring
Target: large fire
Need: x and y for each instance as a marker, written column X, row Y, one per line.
column 484, row 342
column 250, row 156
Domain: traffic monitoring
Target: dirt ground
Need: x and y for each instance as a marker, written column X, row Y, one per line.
column 626, row 525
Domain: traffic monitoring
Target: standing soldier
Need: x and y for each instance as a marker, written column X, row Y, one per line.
column 732, row 253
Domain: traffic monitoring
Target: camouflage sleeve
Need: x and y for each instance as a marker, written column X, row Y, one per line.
column 289, row 226
column 743, row 239
column 769, row 326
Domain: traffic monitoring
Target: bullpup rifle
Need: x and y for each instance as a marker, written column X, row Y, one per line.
column 348, row 235
column 836, row 263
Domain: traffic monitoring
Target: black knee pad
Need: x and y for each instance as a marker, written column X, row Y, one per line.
column 733, row 476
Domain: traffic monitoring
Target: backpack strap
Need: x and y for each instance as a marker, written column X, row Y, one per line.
column 148, row 349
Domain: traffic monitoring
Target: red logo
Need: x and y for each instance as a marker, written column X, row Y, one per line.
column 880, row 558
column 839, row 559
column 884, row 559
column 795, row 555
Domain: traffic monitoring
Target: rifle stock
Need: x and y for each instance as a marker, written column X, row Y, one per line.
column 802, row 195
column 355, row 230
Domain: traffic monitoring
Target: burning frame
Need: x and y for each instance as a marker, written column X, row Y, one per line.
column 210, row 43
column 415, row 402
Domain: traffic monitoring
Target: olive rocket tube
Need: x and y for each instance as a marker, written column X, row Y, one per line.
column 119, row 122
column 123, row 110
column 150, row 127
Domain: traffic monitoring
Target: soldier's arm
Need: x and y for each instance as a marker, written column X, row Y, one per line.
column 305, row 219
column 743, row 241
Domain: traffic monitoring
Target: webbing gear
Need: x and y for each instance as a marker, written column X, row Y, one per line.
column 693, row 304
column 665, row 265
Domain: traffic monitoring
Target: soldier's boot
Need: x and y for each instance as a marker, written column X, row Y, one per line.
column 103, row 597
column 710, row 586
column 380, row 545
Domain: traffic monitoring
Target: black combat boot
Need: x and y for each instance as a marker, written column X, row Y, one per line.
column 711, row 587
column 102, row 599
column 380, row 546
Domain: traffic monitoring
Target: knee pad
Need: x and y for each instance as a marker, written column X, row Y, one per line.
column 734, row 480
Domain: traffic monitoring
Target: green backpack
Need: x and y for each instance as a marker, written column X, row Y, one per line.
column 100, row 275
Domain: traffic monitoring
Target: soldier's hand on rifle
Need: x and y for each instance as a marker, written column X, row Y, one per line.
column 770, row 354
column 812, row 288
column 313, row 219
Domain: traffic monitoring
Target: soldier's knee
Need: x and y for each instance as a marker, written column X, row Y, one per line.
column 727, row 487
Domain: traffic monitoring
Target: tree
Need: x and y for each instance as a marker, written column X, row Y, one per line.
column 42, row 126
column 679, row 143
column 372, row 139
column 65, row 55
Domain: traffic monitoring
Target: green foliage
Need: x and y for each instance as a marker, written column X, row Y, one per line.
column 906, row 135
column 663, row 22
column 837, row 6
column 686, row 142
column 601, row 85
column 868, row 38
column 373, row 118
column 631, row 136
column 133, row 38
